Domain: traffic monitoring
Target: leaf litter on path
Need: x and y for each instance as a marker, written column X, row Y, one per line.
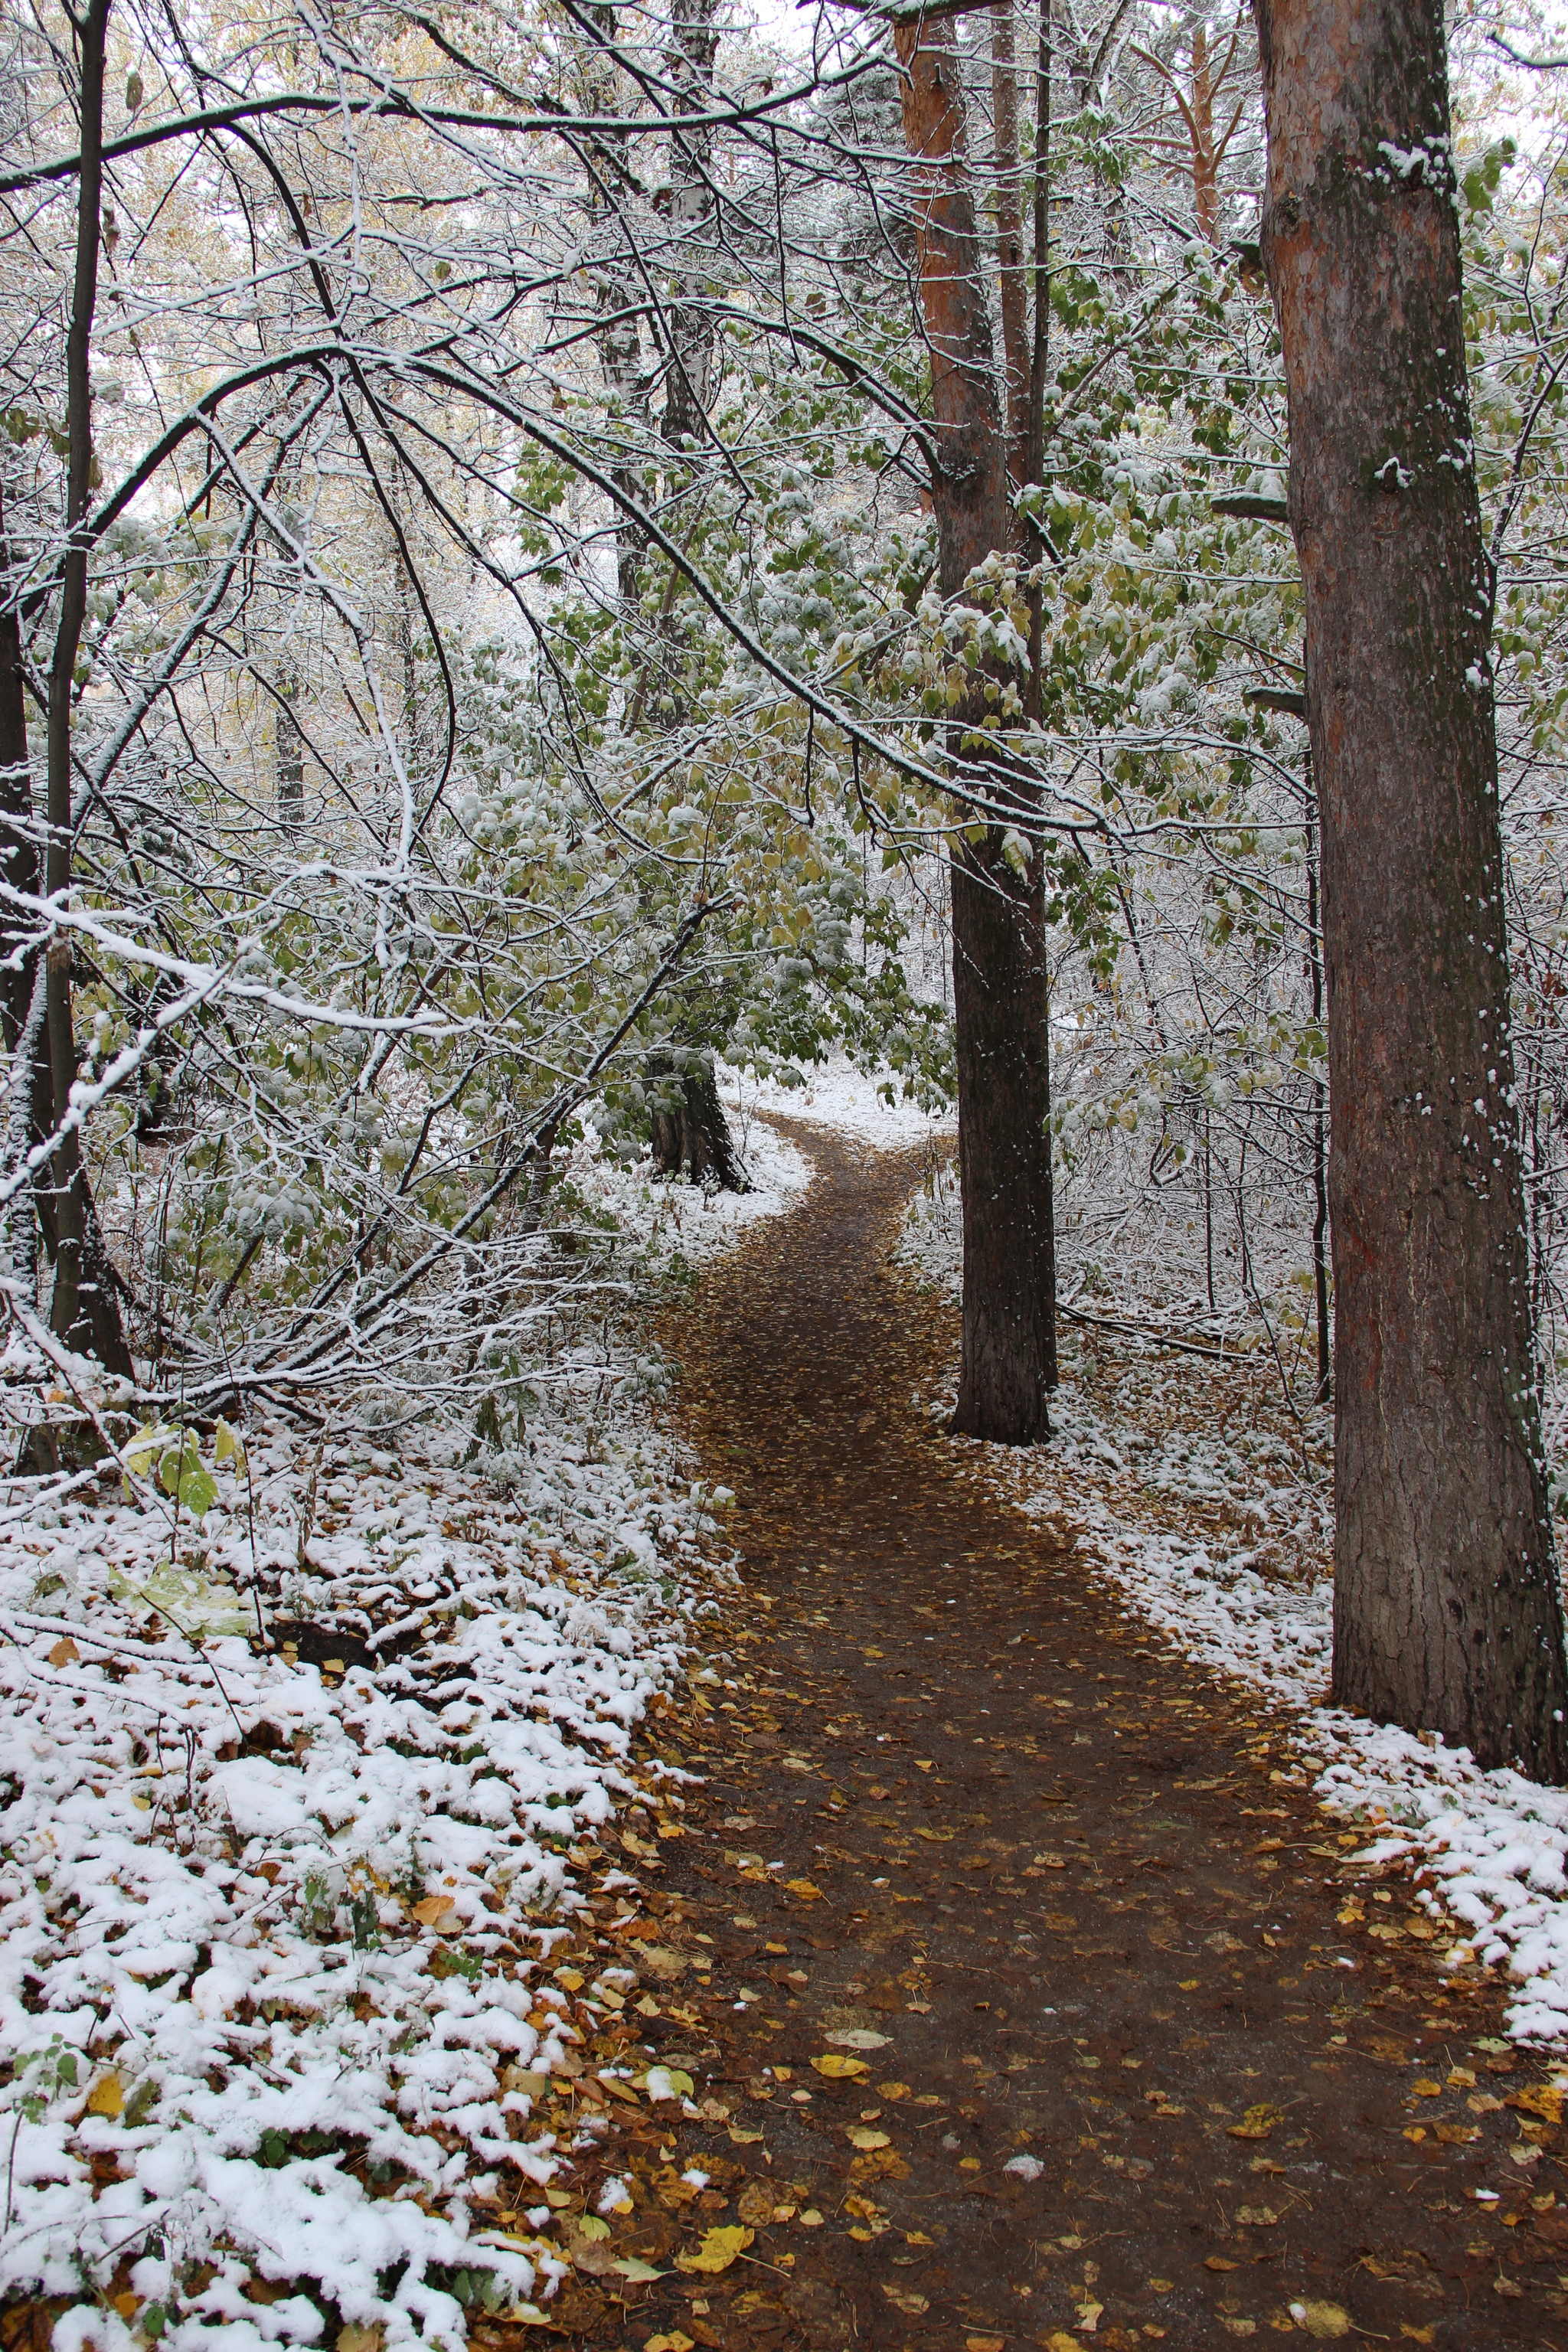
column 1101, row 2099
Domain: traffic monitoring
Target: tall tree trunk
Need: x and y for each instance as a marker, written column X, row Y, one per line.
column 71, row 1317
column 1446, row 1610
column 1033, row 464
column 619, row 298
column 23, row 1018
column 289, row 758
column 1323, row 1387
column 694, row 44
column 1200, row 125
column 22, row 1011
column 18, row 842
column 1000, row 998
column 1012, row 276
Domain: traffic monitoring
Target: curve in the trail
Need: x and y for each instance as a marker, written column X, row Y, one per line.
column 1125, row 2077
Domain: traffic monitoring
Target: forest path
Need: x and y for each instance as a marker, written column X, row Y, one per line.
column 1095, row 1930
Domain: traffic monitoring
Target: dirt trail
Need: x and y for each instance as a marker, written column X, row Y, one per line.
column 1057, row 1869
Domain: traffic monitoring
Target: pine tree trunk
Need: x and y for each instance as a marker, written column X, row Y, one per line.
column 999, row 917
column 1446, row 1611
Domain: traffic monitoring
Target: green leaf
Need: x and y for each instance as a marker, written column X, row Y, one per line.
column 197, row 1492
column 138, row 1455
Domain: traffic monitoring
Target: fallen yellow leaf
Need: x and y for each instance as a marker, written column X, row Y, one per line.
column 1543, row 2099
column 107, row 2097
column 1323, row 2320
column 1417, row 2335
column 719, row 2249
column 861, row 2135
column 436, row 1911
column 805, row 1889
column 65, row 1652
column 839, row 2068
column 1257, row 2217
column 1427, row 2090
column 1456, row 2134
column 673, row 2342
column 1256, row 2123
column 985, row 2344
column 1059, row 2341
column 905, row 2299
column 356, row 2337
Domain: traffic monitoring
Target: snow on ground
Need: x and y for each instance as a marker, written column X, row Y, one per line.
column 276, row 1921
column 669, row 1222
column 834, row 1095
column 1210, row 1512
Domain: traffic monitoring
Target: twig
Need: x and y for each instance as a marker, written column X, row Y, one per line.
column 1141, row 1331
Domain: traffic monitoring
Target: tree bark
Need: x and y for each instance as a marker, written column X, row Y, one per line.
column 693, row 47
column 19, row 861
column 1447, row 1608
column 1000, row 992
column 289, row 758
column 1011, row 274
column 690, row 1132
column 1324, row 1384
column 66, row 1317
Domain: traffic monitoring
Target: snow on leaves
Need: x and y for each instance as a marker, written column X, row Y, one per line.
column 274, row 1925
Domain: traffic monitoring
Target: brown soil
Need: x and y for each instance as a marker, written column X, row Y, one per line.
column 1075, row 1881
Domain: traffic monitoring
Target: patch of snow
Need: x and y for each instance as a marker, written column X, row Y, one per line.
column 836, row 1094
column 276, row 1919
column 672, row 1218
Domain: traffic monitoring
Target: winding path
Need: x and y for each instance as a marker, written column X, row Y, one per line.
column 1134, row 2079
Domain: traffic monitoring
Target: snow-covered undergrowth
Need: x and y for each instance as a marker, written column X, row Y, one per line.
column 276, row 1915
column 666, row 1224
column 838, row 1096
column 1209, row 1509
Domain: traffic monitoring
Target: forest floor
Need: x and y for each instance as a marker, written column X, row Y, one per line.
column 884, row 1891
column 1030, row 1997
